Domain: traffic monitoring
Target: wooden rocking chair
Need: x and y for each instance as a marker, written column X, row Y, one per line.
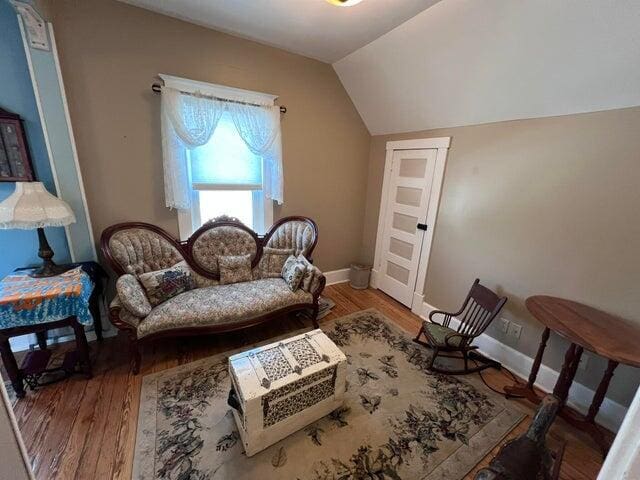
column 477, row 312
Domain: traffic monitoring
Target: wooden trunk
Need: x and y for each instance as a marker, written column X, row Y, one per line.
column 280, row 388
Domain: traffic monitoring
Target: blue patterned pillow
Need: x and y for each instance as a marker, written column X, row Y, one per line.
column 293, row 272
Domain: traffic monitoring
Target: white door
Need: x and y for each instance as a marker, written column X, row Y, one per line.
column 404, row 222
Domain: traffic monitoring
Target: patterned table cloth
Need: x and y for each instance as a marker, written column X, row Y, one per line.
column 28, row 301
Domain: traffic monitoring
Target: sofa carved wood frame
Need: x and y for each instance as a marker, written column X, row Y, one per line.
column 185, row 248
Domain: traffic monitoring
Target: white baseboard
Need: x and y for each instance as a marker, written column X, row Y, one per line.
column 337, row 276
column 374, row 278
column 22, row 343
column 611, row 413
column 417, row 306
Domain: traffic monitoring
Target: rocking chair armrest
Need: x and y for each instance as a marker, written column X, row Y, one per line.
column 437, row 312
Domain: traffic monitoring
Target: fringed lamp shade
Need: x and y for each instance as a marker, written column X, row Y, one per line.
column 29, row 207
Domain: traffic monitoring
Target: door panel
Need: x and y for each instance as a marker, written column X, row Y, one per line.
column 408, row 196
column 406, row 205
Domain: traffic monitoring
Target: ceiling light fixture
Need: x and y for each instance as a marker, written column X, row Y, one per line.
column 344, row 3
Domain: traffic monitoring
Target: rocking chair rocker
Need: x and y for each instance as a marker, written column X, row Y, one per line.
column 477, row 312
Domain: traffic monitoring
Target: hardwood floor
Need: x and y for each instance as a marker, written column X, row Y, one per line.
column 85, row 429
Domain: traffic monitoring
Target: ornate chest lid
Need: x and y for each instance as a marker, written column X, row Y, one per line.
column 262, row 369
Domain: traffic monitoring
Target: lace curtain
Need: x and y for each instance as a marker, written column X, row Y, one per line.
column 188, row 121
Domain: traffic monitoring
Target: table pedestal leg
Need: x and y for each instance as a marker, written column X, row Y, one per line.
column 82, row 346
column 587, row 423
column 598, row 398
column 568, row 372
column 12, row 367
column 527, row 391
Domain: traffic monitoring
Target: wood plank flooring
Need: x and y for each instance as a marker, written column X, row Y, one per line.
column 85, row 429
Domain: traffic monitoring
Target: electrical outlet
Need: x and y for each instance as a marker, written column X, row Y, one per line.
column 515, row 330
column 504, row 325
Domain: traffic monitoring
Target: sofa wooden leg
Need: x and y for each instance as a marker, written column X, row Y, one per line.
column 314, row 315
column 136, row 356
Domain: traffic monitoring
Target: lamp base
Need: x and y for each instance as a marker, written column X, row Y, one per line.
column 48, row 268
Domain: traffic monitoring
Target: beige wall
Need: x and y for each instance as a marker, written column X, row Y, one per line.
column 110, row 55
column 548, row 205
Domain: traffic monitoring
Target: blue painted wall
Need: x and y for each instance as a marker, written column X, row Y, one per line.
column 19, row 248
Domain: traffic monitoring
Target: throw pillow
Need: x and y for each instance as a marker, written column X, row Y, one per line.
column 234, row 268
column 162, row 285
column 310, row 275
column 273, row 260
column 292, row 272
column 132, row 296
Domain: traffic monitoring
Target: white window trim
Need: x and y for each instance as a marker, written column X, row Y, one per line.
column 226, row 186
column 189, row 220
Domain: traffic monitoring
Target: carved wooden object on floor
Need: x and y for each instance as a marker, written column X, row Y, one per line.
column 527, row 457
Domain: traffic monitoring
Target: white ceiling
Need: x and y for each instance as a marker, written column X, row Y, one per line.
column 312, row 28
column 466, row 62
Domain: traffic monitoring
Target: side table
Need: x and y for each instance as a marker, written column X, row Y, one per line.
column 36, row 305
column 585, row 328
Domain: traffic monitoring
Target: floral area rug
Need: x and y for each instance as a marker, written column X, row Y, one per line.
column 399, row 421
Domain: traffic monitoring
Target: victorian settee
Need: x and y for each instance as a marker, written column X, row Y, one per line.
column 135, row 249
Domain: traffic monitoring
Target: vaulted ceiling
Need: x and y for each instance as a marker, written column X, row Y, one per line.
column 313, row 28
column 412, row 65
column 466, row 62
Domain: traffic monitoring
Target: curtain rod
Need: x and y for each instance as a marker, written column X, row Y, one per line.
column 157, row 88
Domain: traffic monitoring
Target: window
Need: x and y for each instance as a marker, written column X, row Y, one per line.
column 222, row 153
column 226, row 178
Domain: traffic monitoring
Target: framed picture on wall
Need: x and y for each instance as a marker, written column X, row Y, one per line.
column 15, row 161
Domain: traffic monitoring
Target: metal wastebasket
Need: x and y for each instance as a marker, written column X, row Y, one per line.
column 359, row 276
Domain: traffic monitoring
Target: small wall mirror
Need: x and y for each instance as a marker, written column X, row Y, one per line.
column 15, row 161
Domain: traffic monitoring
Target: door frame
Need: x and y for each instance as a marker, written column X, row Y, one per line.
column 14, row 456
column 441, row 144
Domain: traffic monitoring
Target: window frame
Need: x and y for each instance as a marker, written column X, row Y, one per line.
column 189, row 220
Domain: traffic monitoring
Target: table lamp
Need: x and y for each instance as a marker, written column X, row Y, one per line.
column 30, row 207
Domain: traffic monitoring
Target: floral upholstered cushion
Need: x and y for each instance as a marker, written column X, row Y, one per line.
column 273, row 260
column 132, row 295
column 293, row 271
column 222, row 305
column 222, row 241
column 162, row 285
column 440, row 333
column 123, row 314
column 141, row 250
column 234, row 269
column 296, row 234
column 202, row 281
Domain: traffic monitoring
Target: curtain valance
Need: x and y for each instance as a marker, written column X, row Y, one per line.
column 189, row 121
